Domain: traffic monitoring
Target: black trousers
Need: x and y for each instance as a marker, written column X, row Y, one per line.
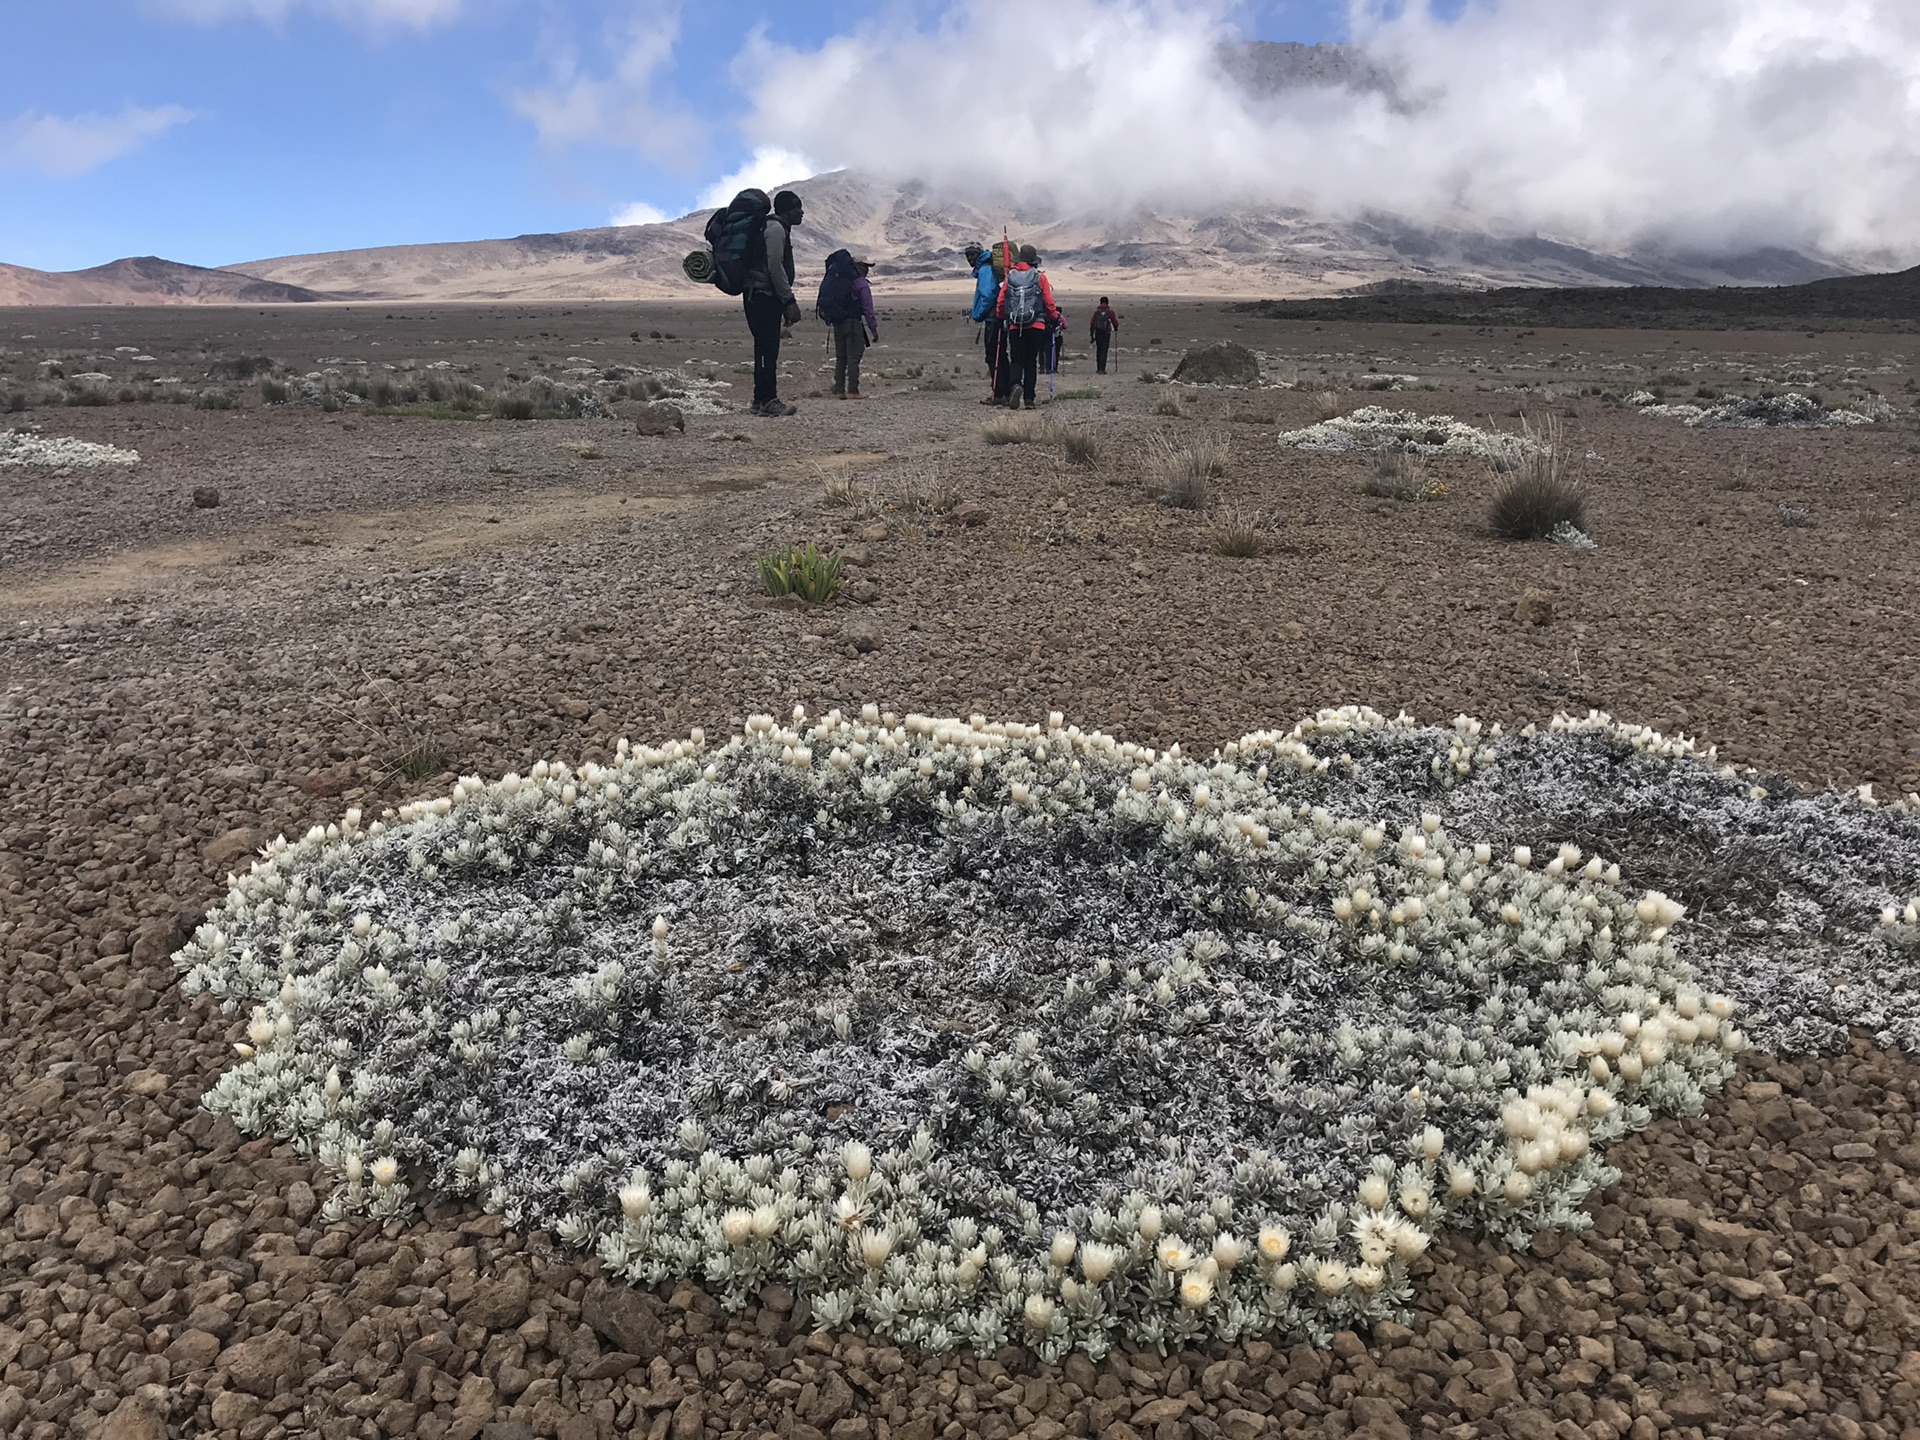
column 1101, row 339
column 765, row 315
column 999, row 366
column 1030, row 346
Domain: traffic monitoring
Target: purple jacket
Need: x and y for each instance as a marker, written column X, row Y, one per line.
column 863, row 292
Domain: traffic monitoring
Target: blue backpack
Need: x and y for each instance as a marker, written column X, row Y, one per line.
column 737, row 236
column 836, row 301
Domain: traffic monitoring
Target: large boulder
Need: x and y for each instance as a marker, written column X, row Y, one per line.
column 1225, row 363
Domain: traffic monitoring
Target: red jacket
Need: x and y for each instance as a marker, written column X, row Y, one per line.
column 1046, row 299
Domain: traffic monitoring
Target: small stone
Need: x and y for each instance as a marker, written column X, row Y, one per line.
column 234, row 1408
column 625, row 1317
column 874, row 533
column 1524, row 1422
column 233, row 847
column 301, row 1202
column 500, row 1301
column 260, row 1364
column 659, row 418
column 861, row 637
column 970, row 514
column 206, row 497
column 832, row 1399
column 133, row 1419
column 1168, row 1407
column 148, row 1083
column 863, row 592
column 1534, row 607
column 857, row 555
column 223, row 1238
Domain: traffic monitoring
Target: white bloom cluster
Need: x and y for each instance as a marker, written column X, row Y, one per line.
column 1792, row 411
column 984, row 1032
column 1373, row 427
column 24, row 447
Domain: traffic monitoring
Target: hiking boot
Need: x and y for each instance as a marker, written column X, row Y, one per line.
column 1029, row 402
column 776, row 408
column 853, row 395
column 758, row 407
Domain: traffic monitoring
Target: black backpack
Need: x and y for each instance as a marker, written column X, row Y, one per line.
column 737, row 236
column 836, row 301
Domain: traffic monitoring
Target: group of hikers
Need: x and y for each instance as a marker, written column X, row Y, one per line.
column 751, row 254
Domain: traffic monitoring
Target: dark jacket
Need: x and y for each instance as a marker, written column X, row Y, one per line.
column 768, row 276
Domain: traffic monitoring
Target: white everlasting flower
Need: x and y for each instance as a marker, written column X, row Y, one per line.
column 765, row 1221
column 848, row 1213
column 1483, row 854
column 1202, row 797
column 260, row 1032
column 1518, row 1188
column 659, row 927
column 1061, row 1252
column 1374, row 1193
column 736, row 1226
column 1368, row 1278
column 1416, row 1200
column 1150, row 1223
column 1658, row 911
column 1274, row 1244
column 1460, row 1180
column 1330, row 1277
column 1372, row 839
column 1432, row 1142
column 635, row 1199
column 1195, row 1291
column 1228, row 1251
column 1174, row 1256
column 1283, row 1278
column 1097, row 1261
column 1039, row 1312
column 1522, row 856
column 1632, row 1068
column 857, row 1159
column 355, row 1168
column 876, row 1246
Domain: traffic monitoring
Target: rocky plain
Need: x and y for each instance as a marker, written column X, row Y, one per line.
column 284, row 611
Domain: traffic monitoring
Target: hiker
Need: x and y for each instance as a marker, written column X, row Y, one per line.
column 986, row 298
column 1026, row 308
column 1100, row 330
column 846, row 304
column 768, row 299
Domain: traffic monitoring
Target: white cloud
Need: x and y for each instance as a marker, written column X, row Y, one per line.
column 618, row 107
column 378, row 14
column 641, row 213
column 1717, row 124
column 769, row 169
column 68, row 145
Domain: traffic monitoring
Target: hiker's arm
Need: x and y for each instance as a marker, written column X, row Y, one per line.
column 776, row 271
column 866, row 306
column 1046, row 295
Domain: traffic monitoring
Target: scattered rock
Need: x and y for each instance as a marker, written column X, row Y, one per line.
column 206, row 497
column 659, row 418
column 500, row 1301
column 133, row 1419
column 260, row 1364
column 860, row 637
column 970, row 514
column 626, row 1317
column 1224, row 363
column 873, row 534
column 1534, row 607
column 234, row 846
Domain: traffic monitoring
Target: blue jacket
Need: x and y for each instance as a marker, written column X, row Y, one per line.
column 986, row 289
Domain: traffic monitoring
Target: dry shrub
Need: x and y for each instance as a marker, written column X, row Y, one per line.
column 1238, row 534
column 1169, row 408
column 1181, row 472
column 1538, row 493
column 1079, row 445
column 1398, row 475
column 1012, row 430
column 1327, row 406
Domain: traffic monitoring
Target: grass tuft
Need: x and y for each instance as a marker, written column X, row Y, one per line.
column 1012, row 430
column 1537, row 492
column 1079, row 445
column 1238, row 534
column 1181, row 472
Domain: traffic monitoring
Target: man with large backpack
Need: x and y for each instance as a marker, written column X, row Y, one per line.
column 986, row 299
column 767, row 296
column 846, row 303
column 1027, row 310
column 1100, row 330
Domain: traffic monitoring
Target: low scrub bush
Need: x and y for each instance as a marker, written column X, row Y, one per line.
column 214, row 400
column 1399, row 475
column 1181, row 472
column 1086, row 394
column 273, row 392
column 1080, row 445
column 1538, row 493
column 1238, row 534
column 1013, row 430
column 801, row 571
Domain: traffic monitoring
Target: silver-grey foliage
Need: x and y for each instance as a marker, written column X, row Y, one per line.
column 982, row 1032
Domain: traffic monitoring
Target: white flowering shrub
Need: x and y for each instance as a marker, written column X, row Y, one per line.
column 25, row 447
column 987, row 1032
column 1792, row 411
column 1373, row 427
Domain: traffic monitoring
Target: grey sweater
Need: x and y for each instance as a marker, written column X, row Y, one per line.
column 776, row 277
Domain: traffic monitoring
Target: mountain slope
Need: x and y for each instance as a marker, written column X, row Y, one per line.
column 915, row 235
column 145, row 280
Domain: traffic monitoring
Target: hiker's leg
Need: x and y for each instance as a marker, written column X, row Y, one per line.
column 856, row 347
column 1100, row 353
column 1034, row 343
column 763, row 319
column 841, row 344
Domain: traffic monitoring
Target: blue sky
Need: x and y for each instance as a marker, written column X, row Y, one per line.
column 218, row 131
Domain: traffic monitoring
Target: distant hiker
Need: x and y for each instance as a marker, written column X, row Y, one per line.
column 768, row 300
column 1100, row 330
column 1026, row 308
column 986, row 299
column 846, row 304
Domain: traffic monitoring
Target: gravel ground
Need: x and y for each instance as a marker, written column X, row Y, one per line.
column 373, row 602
